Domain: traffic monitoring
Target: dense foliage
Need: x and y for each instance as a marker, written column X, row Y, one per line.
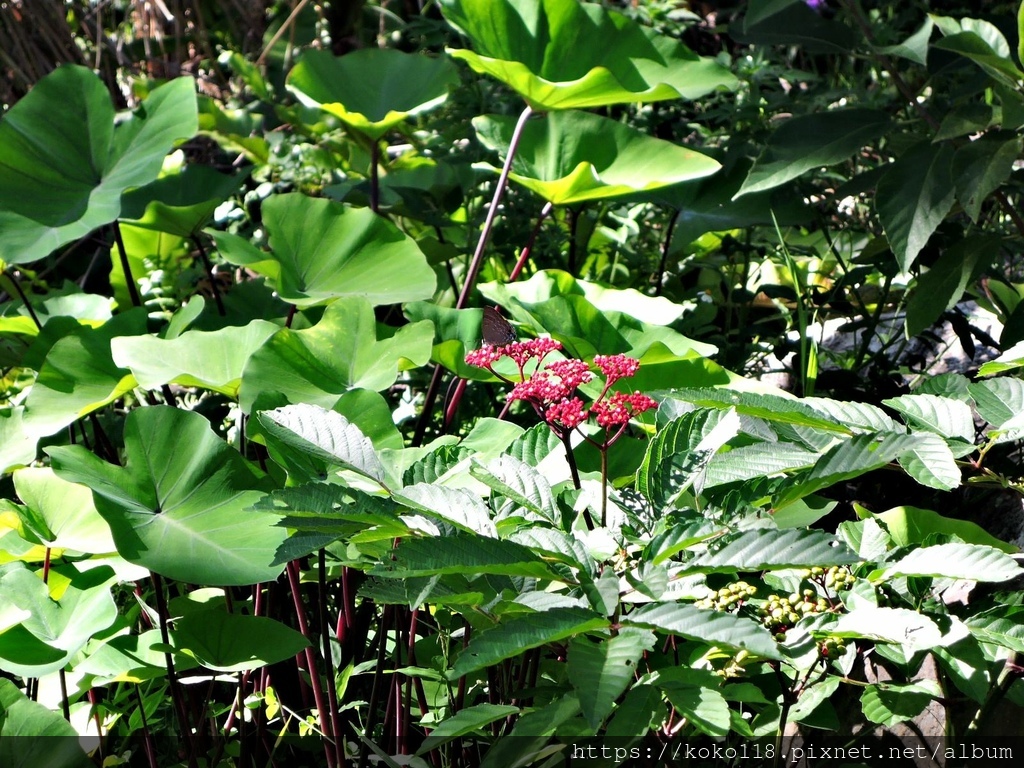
column 278, row 487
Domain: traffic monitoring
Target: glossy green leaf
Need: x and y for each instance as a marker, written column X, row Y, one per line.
column 322, row 250
column 183, row 514
column 372, row 90
column 891, row 703
column 465, row 721
column 562, row 54
column 324, row 435
column 601, row 670
column 1003, row 626
column 974, row 562
column 913, row 197
column 943, row 285
column 849, row 459
column 759, row 460
column 33, row 735
column 17, row 444
column 512, row 637
column 712, row 627
column 67, row 510
column 915, row 47
column 912, row 525
column 941, row 415
column 1010, row 360
column 813, row 141
column 998, row 400
column 889, row 625
column 55, row 629
column 985, row 45
column 80, row 376
column 458, row 506
column 766, row 548
column 575, row 157
column 461, row 554
column 180, row 203
column 792, row 22
column 520, row 483
column 931, row 463
column 980, row 167
column 341, row 352
column 211, row 360
column 679, row 454
column 772, row 408
column 230, row 642
column 65, row 165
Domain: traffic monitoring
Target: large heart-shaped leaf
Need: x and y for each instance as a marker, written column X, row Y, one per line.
column 36, row 735
column 562, row 54
column 573, row 157
column 341, row 352
column 374, row 89
column 323, row 250
column 182, row 513
column 209, row 359
column 64, row 164
column 180, row 203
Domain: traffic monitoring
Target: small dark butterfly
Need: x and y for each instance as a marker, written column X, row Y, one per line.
column 496, row 331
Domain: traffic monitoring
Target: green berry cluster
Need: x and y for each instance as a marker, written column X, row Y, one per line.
column 780, row 613
column 831, row 647
column 728, row 598
column 836, row 577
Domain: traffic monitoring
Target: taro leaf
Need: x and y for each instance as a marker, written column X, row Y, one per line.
column 512, row 637
column 79, row 375
column 462, row 554
column 601, row 670
column 813, row 141
column 890, row 703
column 66, row 509
column 980, row 167
column 562, row 54
column 184, row 514
column 323, row 250
column 55, row 629
column 943, row 285
column 325, row 436
column 679, row 454
column 465, row 721
column 913, row 198
column 33, row 736
column 17, row 445
column 66, row 301
column 230, row 642
column 374, row 89
column 764, row 549
column 64, row 164
column 341, row 352
column 975, row 562
column 180, row 203
column 211, row 360
column 575, row 157
column 712, row 627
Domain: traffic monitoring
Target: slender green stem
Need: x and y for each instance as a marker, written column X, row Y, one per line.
column 133, row 291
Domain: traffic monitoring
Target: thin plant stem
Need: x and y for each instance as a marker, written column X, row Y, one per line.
column 375, row 176
column 208, row 266
column 133, row 291
column 172, row 678
column 474, row 270
column 24, row 299
column 325, row 636
column 314, row 677
column 524, row 255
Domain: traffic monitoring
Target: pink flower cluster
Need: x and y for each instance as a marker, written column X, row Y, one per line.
column 551, row 389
